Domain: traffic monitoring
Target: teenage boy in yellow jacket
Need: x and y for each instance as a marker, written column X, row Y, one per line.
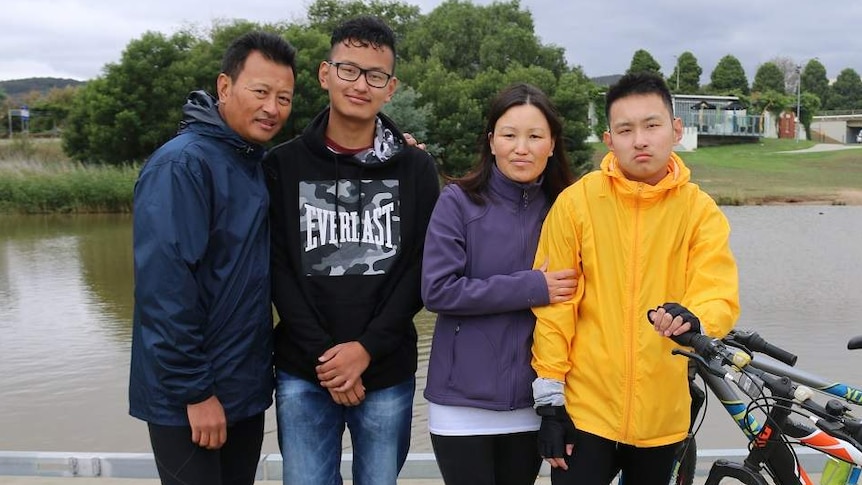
column 644, row 238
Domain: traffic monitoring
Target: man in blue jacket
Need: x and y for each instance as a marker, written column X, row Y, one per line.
column 201, row 368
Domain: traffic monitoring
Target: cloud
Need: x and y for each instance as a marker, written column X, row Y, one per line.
column 76, row 38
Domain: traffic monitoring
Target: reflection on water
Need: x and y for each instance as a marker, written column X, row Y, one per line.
column 66, row 298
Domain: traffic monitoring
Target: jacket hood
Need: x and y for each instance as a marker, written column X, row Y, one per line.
column 388, row 141
column 201, row 115
column 677, row 176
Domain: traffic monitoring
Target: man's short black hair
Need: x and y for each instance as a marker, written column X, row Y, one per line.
column 272, row 46
column 364, row 31
column 638, row 83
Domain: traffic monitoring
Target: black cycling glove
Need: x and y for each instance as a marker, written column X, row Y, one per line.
column 556, row 431
column 677, row 310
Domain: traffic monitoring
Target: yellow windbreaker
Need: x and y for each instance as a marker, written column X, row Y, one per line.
column 635, row 246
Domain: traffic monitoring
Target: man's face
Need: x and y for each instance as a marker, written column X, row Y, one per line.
column 357, row 99
column 258, row 103
column 642, row 135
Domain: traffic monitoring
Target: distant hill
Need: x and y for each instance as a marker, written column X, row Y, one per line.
column 19, row 87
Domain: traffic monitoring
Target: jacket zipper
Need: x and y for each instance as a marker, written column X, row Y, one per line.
column 513, row 334
column 629, row 329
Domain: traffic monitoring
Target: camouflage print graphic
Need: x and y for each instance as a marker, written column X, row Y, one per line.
column 360, row 235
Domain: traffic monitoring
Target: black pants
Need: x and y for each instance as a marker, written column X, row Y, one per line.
column 596, row 461
column 505, row 459
column 181, row 462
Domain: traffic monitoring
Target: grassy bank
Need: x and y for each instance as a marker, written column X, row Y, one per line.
column 35, row 177
column 764, row 173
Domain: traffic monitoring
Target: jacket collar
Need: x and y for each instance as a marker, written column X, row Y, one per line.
column 677, row 176
column 314, row 137
column 508, row 189
column 201, row 115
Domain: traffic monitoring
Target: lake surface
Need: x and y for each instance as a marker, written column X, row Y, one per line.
column 66, row 305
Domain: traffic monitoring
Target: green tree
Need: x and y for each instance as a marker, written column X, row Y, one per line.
column 814, row 80
column 686, row 73
column 52, row 109
column 572, row 99
column 768, row 78
column 461, row 54
column 728, row 76
column 136, row 105
column 772, row 101
column 312, row 47
column 411, row 115
column 468, row 39
column 450, row 63
column 846, row 91
column 643, row 61
column 809, row 106
column 325, row 15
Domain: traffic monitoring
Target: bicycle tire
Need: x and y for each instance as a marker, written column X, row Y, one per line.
column 684, row 469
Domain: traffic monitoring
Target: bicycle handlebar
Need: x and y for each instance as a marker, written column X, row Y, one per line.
column 754, row 342
column 712, row 355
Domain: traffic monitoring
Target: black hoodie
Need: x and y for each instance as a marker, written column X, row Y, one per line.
column 347, row 243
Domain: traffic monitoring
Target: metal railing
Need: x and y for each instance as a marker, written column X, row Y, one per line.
column 722, row 123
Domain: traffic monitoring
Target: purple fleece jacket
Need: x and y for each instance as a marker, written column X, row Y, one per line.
column 477, row 276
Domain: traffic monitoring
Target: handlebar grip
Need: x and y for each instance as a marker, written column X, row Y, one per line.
column 699, row 342
column 776, row 352
column 756, row 343
column 855, row 343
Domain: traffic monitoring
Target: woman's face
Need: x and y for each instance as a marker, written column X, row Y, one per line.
column 522, row 143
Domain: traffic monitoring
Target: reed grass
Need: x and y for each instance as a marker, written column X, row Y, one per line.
column 35, row 178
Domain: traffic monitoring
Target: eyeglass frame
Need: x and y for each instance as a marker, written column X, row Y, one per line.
column 362, row 72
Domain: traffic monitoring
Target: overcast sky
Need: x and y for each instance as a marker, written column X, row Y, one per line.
column 76, row 38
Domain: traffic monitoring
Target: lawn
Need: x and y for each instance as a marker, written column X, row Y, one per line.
column 761, row 173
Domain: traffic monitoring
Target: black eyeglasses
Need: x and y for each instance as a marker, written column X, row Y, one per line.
column 350, row 72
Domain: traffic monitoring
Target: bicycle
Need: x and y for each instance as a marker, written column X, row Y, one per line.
column 831, row 429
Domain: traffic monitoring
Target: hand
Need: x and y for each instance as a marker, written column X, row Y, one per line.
column 208, row 423
column 342, row 366
column 672, row 319
column 556, row 435
column 561, row 284
column 413, row 142
column 353, row 396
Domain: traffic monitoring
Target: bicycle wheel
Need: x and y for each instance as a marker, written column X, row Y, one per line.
column 684, row 469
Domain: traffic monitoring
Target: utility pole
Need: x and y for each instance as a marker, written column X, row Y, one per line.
column 798, row 98
column 677, row 73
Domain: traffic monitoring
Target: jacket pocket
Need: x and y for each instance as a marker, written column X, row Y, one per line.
column 474, row 373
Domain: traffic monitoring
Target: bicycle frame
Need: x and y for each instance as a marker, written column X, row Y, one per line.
column 848, row 393
column 768, row 447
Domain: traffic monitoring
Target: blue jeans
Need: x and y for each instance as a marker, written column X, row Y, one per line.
column 311, row 425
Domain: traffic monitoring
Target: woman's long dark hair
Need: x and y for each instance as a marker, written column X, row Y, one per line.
column 557, row 174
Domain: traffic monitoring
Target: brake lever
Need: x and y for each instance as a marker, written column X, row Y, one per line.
column 700, row 361
column 729, row 340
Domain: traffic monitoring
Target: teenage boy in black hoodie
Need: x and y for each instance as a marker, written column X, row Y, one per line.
column 350, row 202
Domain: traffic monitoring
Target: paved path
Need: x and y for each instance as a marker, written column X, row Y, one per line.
column 825, row 147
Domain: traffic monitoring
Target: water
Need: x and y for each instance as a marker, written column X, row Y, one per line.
column 66, row 301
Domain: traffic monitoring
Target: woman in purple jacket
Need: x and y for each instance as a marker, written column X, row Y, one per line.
column 477, row 276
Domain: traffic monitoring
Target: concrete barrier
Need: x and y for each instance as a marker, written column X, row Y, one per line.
column 142, row 465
